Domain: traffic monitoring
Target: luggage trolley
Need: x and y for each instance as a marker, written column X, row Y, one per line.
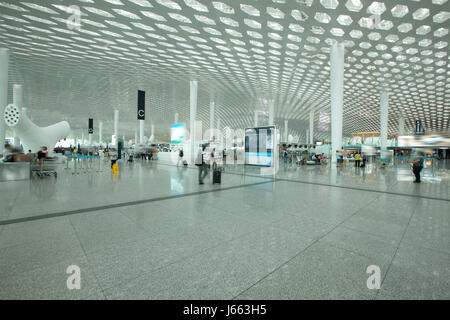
column 43, row 168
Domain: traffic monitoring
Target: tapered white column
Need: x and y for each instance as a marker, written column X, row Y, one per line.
column 90, row 139
column 4, row 67
column 384, row 98
column 116, row 128
column 271, row 112
column 100, row 132
column 307, row 136
column 211, row 119
column 337, row 97
column 152, row 136
column 176, row 118
column 255, row 120
column 136, row 142
column 311, row 127
column 17, row 101
column 286, row 129
column 141, row 131
column 192, row 115
column 401, row 126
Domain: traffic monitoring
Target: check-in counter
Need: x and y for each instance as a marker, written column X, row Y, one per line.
column 10, row 171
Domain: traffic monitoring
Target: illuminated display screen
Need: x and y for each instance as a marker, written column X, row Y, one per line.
column 259, row 146
column 177, row 133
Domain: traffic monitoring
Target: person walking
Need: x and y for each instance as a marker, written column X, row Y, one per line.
column 202, row 167
column 357, row 160
column 417, row 166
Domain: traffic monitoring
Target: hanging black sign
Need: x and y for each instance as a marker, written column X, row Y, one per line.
column 141, row 105
column 91, row 126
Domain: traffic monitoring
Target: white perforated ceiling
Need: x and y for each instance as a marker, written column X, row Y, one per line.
column 242, row 53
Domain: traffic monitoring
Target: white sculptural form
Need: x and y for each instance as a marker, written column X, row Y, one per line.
column 32, row 136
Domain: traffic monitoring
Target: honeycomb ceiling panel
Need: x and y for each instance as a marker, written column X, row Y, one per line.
column 243, row 53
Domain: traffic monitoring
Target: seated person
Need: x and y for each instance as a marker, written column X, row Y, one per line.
column 43, row 154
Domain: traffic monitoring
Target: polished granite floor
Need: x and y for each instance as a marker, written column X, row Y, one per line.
column 152, row 232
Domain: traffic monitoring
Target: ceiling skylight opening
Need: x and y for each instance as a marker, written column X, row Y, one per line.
column 169, row 4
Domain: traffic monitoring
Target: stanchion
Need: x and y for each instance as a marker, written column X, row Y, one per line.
column 75, row 166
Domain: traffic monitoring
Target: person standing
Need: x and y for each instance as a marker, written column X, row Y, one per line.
column 417, row 166
column 202, row 167
column 357, row 160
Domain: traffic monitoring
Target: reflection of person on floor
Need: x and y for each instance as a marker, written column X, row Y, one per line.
column 180, row 156
column 417, row 166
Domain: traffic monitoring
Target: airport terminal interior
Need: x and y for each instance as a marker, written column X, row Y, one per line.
column 225, row 149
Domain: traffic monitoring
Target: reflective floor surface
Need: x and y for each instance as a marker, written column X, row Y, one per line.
column 152, row 232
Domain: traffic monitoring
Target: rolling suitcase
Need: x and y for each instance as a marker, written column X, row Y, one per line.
column 217, row 174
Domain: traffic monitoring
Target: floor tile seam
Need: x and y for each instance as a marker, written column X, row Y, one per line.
column 46, row 238
column 178, row 261
column 123, row 204
column 225, row 172
column 60, row 260
column 346, row 249
column 398, row 246
column 298, row 254
column 87, row 258
column 363, row 190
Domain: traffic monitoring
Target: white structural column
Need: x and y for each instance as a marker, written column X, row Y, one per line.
column 176, row 118
column 100, row 132
column 401, row 126
column 311, row 127
column 337, row 96
column 141, row 131
column 255, row 121
column 116, row 127
column 152, row 136
column 384, row 98
column 4, row 67
column 17, row 101
column 192, row 116
column 90, row 139
column 211, row 119
column 271, row 112
column 286, row 129
column 307, row 136
column 136, row 142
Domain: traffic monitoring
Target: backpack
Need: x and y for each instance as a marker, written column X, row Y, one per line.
column 181, row 153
